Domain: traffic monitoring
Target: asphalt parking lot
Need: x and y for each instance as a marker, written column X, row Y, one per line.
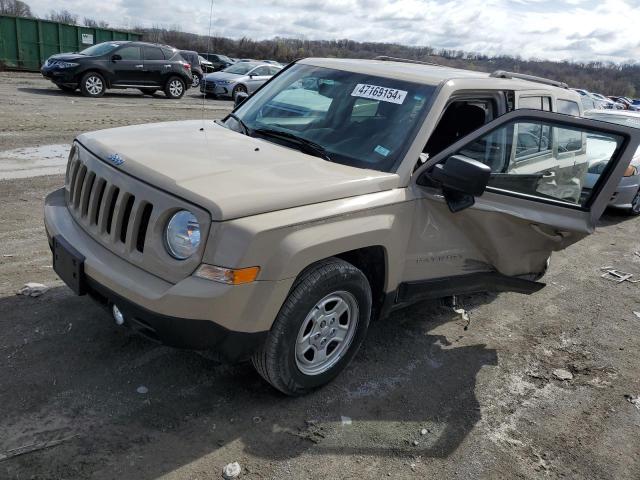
column 425, row 397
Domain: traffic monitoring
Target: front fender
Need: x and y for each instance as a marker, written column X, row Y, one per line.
column 284, row 242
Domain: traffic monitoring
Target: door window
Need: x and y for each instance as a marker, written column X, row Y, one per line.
column 153, row 53
column 129, row 53
column 568, row 173
column 273, row 70
column 261, row 71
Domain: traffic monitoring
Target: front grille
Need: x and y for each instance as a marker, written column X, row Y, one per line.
column 112, row 213
column 127, row 216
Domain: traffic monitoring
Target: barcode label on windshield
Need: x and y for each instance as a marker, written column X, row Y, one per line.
column 379, row 93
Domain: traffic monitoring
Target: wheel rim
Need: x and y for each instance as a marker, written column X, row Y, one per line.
column 326, row 333
column 239, row 89
column 196, row 80
column 94, row 85
column 175, row 88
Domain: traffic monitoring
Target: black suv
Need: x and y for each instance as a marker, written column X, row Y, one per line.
column 218, row 62
column 146, row 66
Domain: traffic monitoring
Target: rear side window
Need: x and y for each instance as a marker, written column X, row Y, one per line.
column 169, row 53
column 273, row 70
column 129, row 53
column 535, row 103
column 568, row 107
column 153, row 53
column 261, row 71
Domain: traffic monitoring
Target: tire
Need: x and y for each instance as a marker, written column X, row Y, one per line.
column 92, row 85
column 196, row 80
column 236, row 90
column 174, row 88
column 66, row 89
column 148, row 91
column 635, row 205
column 305, row 328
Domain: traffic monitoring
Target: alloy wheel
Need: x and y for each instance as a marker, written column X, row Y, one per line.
column 94, row 85
column 326, row 333
column 175, row 87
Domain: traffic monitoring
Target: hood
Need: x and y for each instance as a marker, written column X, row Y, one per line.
column 223, row 76
column 228, row 173
column 67, row 57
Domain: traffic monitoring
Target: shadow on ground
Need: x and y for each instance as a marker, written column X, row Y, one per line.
column 69, row 373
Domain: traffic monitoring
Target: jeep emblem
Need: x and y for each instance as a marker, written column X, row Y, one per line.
column 115, row 159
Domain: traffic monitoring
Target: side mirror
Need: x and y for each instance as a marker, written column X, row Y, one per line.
column 240, row 98
column 462, row 179
column 115, row 58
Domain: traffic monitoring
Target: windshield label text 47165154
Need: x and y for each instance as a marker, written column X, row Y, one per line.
column 383, row 94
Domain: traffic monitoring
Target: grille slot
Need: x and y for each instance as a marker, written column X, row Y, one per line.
column 77, row 187
column 89, row 179
column 111, row 208
column 125, row 218
column 144, row 224
column 96, row 201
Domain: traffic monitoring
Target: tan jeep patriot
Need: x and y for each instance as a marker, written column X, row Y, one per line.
column 340, row 190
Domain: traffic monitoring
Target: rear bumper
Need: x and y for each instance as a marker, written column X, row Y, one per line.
column 193, row 313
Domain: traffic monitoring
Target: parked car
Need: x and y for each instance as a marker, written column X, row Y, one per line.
column 241, row 77
column 607, row 102
column 218, row 61
column 627, row 194
column 196, row 69
column 206, row 65
column 589, row 100
column 626, row 103
column 340, row 191
column 148, row 67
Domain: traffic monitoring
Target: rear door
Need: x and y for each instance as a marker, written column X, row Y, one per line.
column 507, row 236
column 155, row 65
column 128, row 67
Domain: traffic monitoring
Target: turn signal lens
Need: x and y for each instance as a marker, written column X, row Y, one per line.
column 631, row 171
column 227, row 275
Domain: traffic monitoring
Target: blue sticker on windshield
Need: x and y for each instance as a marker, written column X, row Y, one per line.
column 382, row 151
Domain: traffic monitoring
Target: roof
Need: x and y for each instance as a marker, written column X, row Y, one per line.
column 423, row 73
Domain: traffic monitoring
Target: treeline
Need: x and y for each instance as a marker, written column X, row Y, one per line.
column 603, row 77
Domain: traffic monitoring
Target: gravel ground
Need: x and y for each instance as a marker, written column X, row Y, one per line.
column 425, row 398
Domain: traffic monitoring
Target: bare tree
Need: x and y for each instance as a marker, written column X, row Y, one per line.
column 15, row 8
column 63, row 16
column 91, row 23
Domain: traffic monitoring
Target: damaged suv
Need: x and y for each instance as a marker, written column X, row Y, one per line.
column 339, row 191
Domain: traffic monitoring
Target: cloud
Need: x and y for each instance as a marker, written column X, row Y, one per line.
column 551, row 29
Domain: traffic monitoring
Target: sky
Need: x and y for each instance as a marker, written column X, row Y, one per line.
column 579, row 30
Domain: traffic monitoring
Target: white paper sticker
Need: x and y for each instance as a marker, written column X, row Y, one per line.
column 383, row 94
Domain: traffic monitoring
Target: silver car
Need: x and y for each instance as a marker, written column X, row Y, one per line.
column 627, row 195
column 244, row 77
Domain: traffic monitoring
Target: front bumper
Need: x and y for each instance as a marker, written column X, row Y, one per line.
column 626, row 192
column 60, row 76
column 193, row 313
column 213, row 88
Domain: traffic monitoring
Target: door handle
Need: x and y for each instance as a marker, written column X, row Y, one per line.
column 167, row 66
column 550, row 174
column 139, row 66
column 557, row 236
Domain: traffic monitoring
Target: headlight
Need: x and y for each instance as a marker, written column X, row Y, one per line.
column 182, row 235
column 67, row 64
column 223, row 82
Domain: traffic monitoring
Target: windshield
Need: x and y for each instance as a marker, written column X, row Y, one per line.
column 359, row 120
column 99, row 49
column 240, row 68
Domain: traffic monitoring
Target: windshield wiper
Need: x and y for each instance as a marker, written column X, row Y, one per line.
column 246, row 130
column 305, row 145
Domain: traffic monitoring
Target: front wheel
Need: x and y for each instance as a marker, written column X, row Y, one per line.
column 238, row 89
column 92, row 85
column 318, row 330
column 174, row 88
